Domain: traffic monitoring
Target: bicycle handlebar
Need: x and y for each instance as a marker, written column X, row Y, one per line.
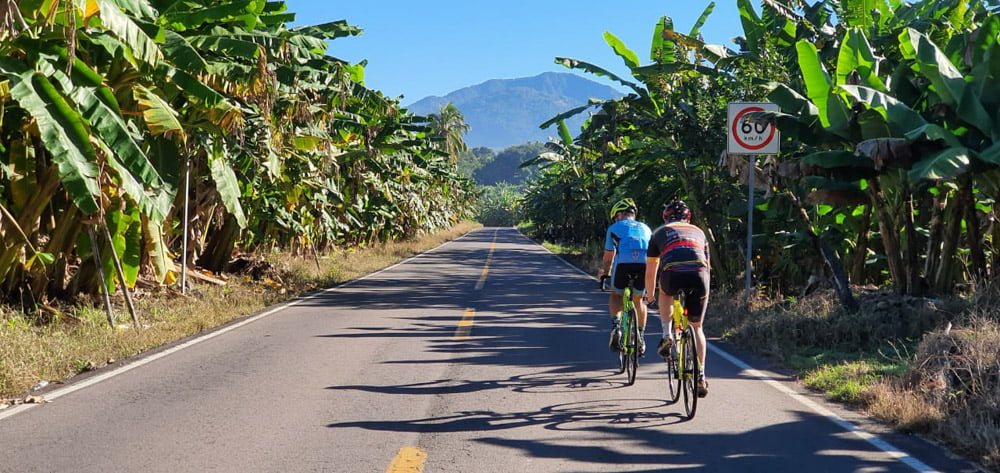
column 603, row 283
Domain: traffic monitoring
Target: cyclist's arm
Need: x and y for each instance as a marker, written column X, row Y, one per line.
column 609, row 254
column 609, row 257
column 652, row 264
column 708, row 258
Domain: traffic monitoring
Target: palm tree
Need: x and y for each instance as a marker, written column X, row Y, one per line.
column 449, row 128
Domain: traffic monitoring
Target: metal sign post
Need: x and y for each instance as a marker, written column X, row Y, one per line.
column 750, row 137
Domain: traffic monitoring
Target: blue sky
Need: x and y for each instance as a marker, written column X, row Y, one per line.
column 420, row 48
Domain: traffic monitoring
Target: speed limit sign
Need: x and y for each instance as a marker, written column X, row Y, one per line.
column 748, row 136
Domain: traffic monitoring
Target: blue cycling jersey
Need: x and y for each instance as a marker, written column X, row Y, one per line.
column 629, row 239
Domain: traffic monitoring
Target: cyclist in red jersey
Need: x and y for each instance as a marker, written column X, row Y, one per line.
column 677, row 257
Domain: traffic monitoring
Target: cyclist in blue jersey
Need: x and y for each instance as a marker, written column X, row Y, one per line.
column 625, row 255
column 677, row 258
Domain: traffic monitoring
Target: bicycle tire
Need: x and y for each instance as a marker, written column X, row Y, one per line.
column 621, row 359
column 673, row 372
column 689, row 372
column 632, row 352
column 623, row 345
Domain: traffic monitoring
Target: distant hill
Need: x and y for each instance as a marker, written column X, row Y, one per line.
column 507, row 112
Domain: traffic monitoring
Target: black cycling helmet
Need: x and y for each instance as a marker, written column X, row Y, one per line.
column 676, row 210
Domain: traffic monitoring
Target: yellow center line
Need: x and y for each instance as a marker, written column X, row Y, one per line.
column 465, row 325
column 486, row 267
column 408, row 460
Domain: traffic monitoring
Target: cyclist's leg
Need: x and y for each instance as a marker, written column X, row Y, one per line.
column 615, row 297
column 637, row 271
column 665, row 306
column 697, row 303
column 615, row 308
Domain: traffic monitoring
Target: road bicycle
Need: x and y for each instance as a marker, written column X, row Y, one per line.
column 683, row 367
column 628, row 354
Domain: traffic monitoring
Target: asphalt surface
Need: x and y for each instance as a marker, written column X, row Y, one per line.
column 485, row 354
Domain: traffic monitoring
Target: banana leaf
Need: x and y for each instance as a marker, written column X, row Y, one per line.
column 239, row 11
column 63, row 132
column 179, row 52
column 933, row 132
column 231, row 47
column 142, row 9
column 901, row 118
column 818, row 84
column 331, row 30
column 140, row 45
column 696, row 29
column 228, row 187
column 856, row 56
column 572, row 112
column 661, row 50
column 834, row 159
column 754, row 30
column 160, row 117
column 622, row 51
column 599, row 71
column 945, row 165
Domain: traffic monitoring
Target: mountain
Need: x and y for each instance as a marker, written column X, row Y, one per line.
column 506, row 112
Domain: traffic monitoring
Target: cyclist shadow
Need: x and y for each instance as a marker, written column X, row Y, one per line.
column 599, row 432
column 581, row 415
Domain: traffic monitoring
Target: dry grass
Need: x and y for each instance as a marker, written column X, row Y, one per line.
column 953, row 390
column 78, row 338
column 897, row 358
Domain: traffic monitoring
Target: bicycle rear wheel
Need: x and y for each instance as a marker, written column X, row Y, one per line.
column 632, row 350
column 622, row 357
column 689, row 371
column 623, row 344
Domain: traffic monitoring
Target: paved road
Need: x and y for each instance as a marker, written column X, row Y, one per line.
column 485, row 354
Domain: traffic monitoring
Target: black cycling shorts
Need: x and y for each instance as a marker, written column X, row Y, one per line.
column 695, row 287
column 620, row 276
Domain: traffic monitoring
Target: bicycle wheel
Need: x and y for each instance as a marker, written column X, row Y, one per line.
column 621, row 358
column 673, row 373
column 689, row 371
column 622, row 345
column 632, row 352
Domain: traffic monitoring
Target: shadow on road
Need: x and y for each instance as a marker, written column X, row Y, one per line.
column 549, row 324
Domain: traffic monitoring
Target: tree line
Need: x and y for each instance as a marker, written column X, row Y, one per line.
column 888, row 168
column 141, row 135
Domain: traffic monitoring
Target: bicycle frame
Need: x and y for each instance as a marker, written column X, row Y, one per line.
column 628, row 357
column 685, row 364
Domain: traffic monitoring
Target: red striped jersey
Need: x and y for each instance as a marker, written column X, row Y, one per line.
column 680, row 246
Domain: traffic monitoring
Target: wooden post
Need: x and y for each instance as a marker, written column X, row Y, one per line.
column 100, row 272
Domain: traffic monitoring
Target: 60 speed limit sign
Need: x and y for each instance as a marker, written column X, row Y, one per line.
column 748, row 136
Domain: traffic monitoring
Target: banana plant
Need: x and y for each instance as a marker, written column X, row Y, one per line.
column 898, row 129
column 107, row 103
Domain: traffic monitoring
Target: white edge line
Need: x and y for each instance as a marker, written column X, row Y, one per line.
column 872, row 439
column 57, row 393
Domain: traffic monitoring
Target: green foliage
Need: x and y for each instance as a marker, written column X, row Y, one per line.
column 880, row 103
column 506, row 165
column 846, row 382
column 283, row 145
column 470, row 160
column 500, row 206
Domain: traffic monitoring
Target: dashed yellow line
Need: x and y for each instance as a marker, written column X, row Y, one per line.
column 408, row 460
column 486, row 267
column 465, row 325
